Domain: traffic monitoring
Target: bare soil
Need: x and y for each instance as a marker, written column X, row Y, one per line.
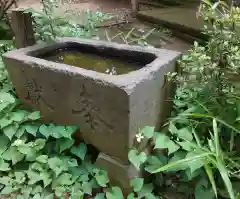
column 121, row 10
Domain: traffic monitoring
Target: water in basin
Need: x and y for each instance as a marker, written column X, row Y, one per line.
column 95, row 62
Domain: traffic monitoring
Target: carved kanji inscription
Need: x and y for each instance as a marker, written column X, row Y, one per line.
column 86, row 108
column 35, row 94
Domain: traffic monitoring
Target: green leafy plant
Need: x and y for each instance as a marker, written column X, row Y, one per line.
column 198, row 148
column 49, row 24
column 5, row 28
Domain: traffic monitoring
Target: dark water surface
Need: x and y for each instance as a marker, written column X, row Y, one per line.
column 95, row 62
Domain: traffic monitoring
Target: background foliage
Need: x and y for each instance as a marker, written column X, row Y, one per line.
column 201, row 138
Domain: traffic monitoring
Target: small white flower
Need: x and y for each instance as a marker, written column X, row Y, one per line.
column 139, row 137
column 18, row 143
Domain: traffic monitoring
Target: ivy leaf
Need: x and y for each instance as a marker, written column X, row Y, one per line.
column 201, row 192
column 31, row 156
column 148, row 131
column 87, row 188
column 20, row 177
column 172, row 147
column 50, row 196
column 102, row 178
column 70, row 130
column 7, row 98
column 65, row 144
column 42, row 159
column 137, row 184
column 187, row 146
column 82, row 173
column 12, row 154
column 34, row 115
column 153, row 163
column 115, row 193
column 179, row 155
column 3, row 165
column 39, row 144
column 145, row 191
column 161, row 141
column 7, row 190
column 32, row 129
column 37, row 196
column 100, row 196
column 43, row 129
column 137, row 158
column 196, row 164
column 20, row 197
column 5, row 122
column 29, row 151
column 37, row 189
column 80, row 151
column 5, row 180
column 33, row 177
column 10, row 131
column 56, row 131
column 151, row 196
column 3, row 143
column 65, row 132
column 59, row 191
column 172, row 128
column 37, row 167
column 26, row 191
column 20, row 131
column 76, row 194
column 46, row 177
column 131, row 196
column 185, row 134
column 71, row 162
column 56, row 164
column 64, row 179
column 18, row 116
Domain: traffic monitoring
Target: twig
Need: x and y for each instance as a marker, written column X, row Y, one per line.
column 5, row 5
column 123, row 38
column 158, row 5
column 107, row 36
column 117, row 35
column 113, row 24
column 148, row 34
column 129, row 33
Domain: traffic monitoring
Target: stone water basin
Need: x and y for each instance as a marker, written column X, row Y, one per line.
column 64, row 82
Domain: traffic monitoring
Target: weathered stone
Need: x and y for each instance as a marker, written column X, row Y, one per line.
column 181, row 19
column 108, row 109
column 135, row 7
column 119, row 174
column 21, row 23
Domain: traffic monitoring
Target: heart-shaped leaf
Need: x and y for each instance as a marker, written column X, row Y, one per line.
column 137, row 184
column 80, row 151
column 137, row 158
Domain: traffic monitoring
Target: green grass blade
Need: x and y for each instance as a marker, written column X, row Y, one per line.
column 216, row 138
column 211, row 117
column 181, row 162
column 224, row 174
column 209, row 172
column 196, row 137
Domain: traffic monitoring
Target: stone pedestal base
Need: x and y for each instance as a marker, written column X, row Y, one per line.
column 118, row 173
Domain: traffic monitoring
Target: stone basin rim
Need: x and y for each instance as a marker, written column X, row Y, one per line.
column 124, row 81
